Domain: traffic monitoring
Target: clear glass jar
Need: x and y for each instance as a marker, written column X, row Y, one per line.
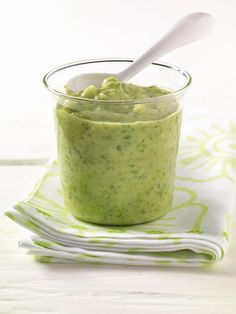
column 117, row 158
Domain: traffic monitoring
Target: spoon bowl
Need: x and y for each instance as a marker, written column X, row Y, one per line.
column 82, row 81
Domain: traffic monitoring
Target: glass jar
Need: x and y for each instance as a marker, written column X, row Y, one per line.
column 117, row 158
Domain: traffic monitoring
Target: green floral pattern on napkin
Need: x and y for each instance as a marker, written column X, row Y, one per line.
column 195, row 232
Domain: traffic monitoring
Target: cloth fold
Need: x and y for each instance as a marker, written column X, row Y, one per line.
column 194, row 233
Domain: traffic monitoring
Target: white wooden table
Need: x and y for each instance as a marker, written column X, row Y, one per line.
column 49, row 33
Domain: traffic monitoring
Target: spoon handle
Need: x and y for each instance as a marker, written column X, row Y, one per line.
column 190, row 28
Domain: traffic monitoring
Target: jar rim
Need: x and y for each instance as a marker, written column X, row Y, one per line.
column 126, row 101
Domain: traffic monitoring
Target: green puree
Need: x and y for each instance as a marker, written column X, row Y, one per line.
column 117, row 161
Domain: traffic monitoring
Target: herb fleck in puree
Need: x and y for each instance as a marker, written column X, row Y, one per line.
column 117, row 161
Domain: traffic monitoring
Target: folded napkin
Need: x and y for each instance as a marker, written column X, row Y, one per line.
column 195, row 232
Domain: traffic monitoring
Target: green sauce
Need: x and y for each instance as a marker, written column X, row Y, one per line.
column 117, row 161
column 113, row 89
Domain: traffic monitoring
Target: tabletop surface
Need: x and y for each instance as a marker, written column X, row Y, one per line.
column 39, row 35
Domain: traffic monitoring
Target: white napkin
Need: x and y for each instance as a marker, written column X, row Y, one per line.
column 195, row 232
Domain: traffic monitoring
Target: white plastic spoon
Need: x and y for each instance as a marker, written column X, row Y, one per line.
column 190, row 28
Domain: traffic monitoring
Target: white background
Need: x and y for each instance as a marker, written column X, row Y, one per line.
column 39, row 35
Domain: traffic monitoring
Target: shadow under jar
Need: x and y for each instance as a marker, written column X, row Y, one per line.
column 117, row 158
